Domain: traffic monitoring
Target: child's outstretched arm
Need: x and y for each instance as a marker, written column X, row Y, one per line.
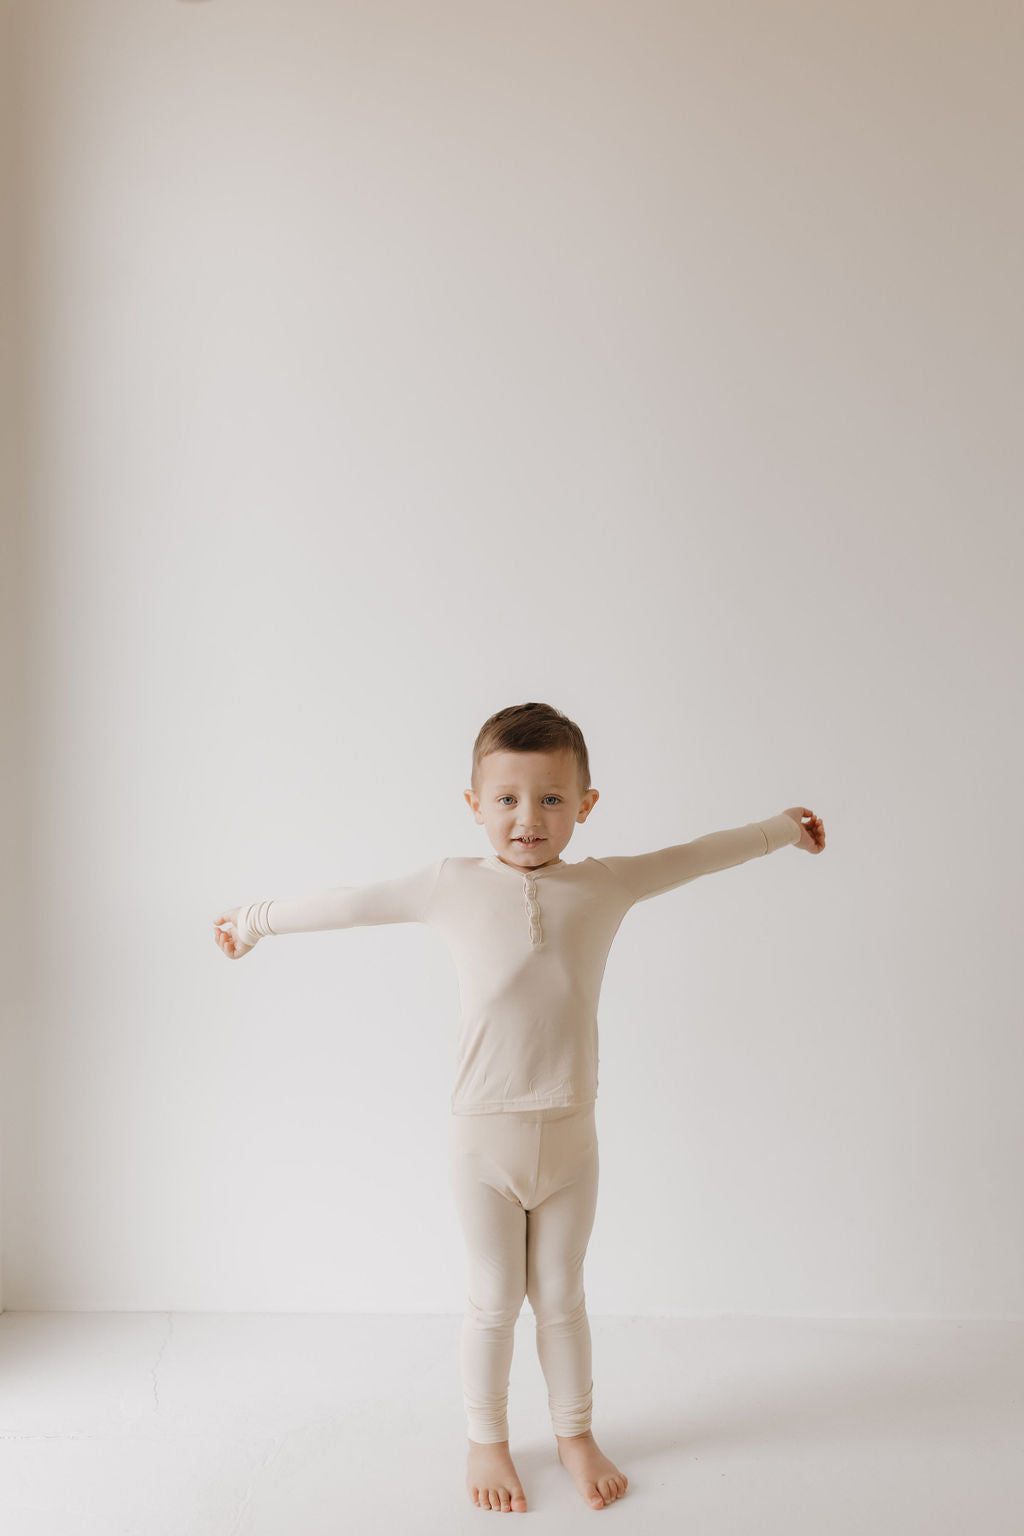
column 405, row 900
column 648, row 874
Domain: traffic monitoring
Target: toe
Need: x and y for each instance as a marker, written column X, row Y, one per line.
column 594, row 1496
column 506, row 1498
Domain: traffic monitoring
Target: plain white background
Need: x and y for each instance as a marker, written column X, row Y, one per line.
column 369, row 367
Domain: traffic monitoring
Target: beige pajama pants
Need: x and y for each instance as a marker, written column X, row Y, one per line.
column 525, row 1187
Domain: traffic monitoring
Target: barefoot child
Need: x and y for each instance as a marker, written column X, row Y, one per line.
column 529, row 935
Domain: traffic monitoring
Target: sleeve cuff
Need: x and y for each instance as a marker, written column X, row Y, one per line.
column 780, row 830
column 253, row 922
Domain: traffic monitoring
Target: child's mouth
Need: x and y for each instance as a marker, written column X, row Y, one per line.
column 529, row 842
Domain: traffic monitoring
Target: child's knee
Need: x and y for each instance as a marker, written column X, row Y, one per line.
column 559, row 1306
column 497, row 1312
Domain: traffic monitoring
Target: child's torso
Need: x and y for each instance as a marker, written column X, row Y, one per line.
column 530, row 949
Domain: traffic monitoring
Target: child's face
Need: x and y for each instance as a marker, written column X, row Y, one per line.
column 530, row 794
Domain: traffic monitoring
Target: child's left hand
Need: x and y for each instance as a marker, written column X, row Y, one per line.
column 812, row 836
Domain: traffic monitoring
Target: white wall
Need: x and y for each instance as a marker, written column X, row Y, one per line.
column 14, row 755
column 392, row 363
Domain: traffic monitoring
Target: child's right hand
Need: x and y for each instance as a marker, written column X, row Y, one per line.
column 229, row 941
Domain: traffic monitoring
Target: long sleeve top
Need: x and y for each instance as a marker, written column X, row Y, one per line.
column 529, row 946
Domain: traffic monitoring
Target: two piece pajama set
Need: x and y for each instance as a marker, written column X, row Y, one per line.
column 530, row 948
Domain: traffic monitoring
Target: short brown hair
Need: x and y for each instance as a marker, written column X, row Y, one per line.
column 531, row 728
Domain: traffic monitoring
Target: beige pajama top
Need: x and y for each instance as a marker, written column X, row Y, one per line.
column 529, row 946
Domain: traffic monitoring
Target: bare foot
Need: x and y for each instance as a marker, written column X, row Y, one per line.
column 491, row 1477
column 598, row 1479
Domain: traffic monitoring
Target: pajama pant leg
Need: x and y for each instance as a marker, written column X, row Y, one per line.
column 525, row 1187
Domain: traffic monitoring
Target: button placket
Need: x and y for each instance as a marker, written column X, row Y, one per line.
column 532, row 908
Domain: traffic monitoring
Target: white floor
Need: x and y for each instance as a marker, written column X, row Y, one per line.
column 186, row 1424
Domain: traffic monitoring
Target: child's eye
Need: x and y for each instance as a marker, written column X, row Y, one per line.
column 556, row 798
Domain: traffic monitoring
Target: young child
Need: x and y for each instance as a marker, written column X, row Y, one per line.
column 530, row 935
